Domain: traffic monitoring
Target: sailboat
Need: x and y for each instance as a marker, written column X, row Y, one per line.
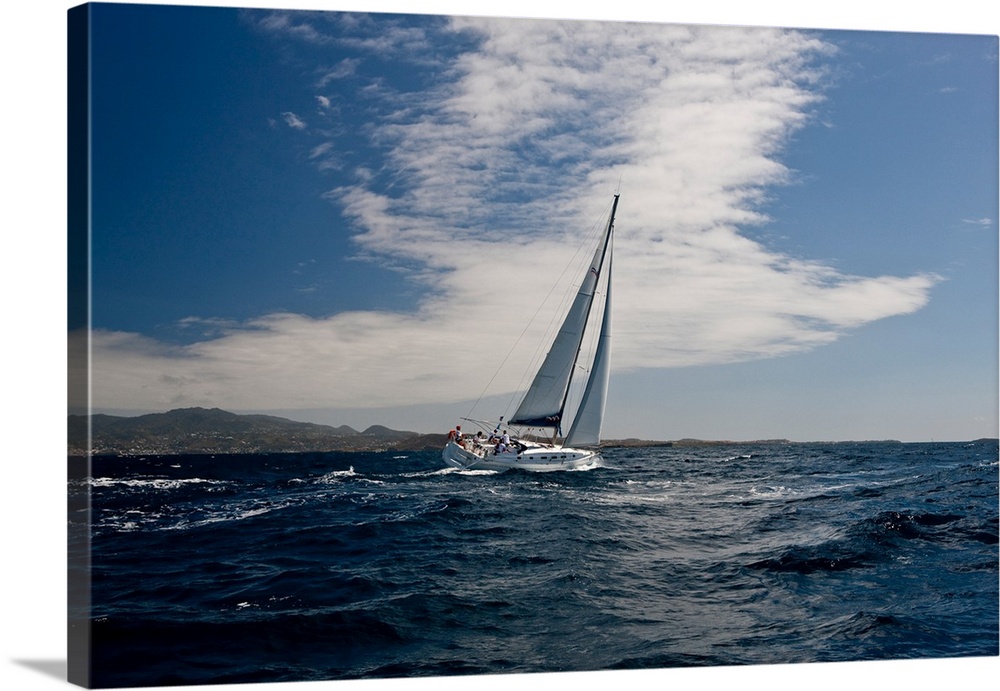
column 545, row 402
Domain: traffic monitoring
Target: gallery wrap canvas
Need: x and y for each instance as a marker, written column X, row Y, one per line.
column 309, row 251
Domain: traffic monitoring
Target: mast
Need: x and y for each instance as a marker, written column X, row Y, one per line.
column 545, row 400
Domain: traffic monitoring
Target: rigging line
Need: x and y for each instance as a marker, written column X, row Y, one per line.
column 594, row 236
column 572, row 261
column 517, row 341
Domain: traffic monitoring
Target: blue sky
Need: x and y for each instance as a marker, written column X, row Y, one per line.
column 348, row 218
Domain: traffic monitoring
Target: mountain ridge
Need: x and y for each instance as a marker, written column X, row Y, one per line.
column 213, row 430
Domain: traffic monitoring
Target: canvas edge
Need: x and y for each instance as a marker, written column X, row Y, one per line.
column 78, row 563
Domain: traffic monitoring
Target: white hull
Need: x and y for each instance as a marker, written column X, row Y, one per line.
column 535, row 458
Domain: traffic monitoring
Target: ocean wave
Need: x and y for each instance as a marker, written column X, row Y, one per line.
column 306, row 569
column 156, row 483
column 437, row 472
column 336, row 475
column 771, row 492
column 807, row 560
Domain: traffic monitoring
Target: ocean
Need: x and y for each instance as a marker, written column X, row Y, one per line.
column 289, row 567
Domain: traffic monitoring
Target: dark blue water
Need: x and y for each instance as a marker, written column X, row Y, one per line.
column 339, row 566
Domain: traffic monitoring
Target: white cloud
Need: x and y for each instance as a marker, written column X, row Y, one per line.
column 982, row 222
column 293, row 121
column 496, row 174
column 292, row 25
column 345, row 68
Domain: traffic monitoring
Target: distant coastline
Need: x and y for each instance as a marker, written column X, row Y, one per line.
column 216, row 431
column 196, row 431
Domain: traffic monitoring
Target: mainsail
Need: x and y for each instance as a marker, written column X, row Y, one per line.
column 545, row 401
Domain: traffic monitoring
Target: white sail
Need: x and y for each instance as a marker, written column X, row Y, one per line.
column 586, row 429
column 545, row 400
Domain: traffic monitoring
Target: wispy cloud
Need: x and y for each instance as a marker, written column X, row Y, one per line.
column 343, row 69
column 981, row 222
column 490, row 172
column 293, row 121
column 293, row 25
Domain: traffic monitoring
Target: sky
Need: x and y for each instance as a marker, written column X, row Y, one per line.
column 350, row 218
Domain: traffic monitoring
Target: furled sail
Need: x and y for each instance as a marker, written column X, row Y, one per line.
column 545, row 400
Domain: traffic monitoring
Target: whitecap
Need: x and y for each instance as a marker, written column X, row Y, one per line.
column 336, row 475
column 156, row 483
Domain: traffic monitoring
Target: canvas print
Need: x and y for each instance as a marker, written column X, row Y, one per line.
column 407, row 346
